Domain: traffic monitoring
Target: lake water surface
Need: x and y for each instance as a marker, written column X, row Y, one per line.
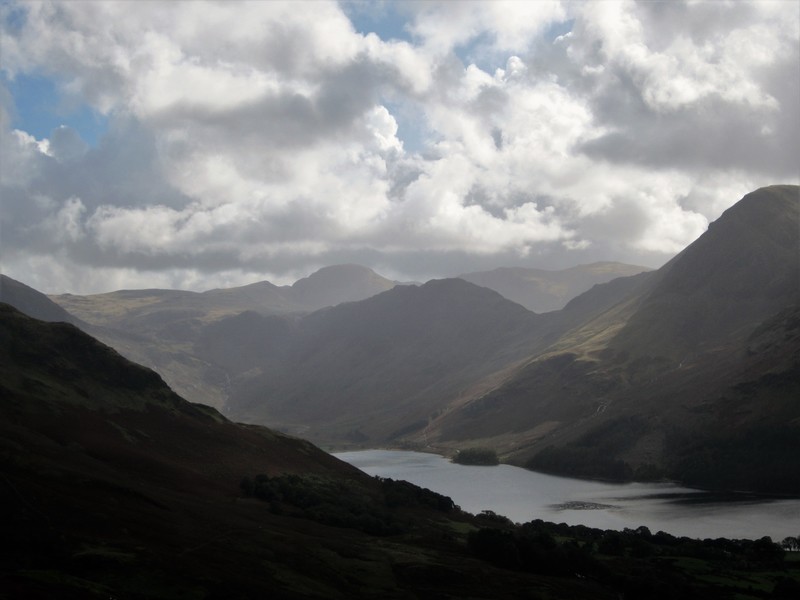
column 523, row 495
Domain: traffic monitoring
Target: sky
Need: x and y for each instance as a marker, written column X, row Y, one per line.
column 199, row 145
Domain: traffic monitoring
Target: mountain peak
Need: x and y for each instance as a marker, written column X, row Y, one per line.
column 746, row 247
column 739, row 272
column 338, row 283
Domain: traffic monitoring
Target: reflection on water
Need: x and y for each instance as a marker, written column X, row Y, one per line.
column 703, row 497
column 577, row 505
column 524, row 495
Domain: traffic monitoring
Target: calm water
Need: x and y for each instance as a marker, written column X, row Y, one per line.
column 524, row 495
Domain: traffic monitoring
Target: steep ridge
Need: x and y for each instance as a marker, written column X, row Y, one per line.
column 541, row 290
column 32, row 302
column 113, row 486
column 672, row 366
column 741, row 271
column 371, row 370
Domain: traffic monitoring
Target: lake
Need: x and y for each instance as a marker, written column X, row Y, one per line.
column 523, row 495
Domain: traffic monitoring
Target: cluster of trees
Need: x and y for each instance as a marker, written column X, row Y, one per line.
column 476, row 456
column 636, row 561
column 343, row 502
column 763, row 458
column 791, row 544
column 580, row 462
column 532, row 549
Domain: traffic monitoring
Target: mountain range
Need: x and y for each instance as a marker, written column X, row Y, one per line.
column 540, row 290
column 178, row 334
column 675, row 373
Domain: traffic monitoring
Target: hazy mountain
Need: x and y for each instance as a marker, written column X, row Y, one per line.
column 674, row 367
column 336, row 284
column 167, row 330
column 161, row 311
column 113, row 486
column 540, row 290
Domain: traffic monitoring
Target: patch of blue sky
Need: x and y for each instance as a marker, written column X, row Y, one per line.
column 40, row 108
column 385, row 18
column 412, row 127
column 14, row 15
column 477, row 50
column 556, row 30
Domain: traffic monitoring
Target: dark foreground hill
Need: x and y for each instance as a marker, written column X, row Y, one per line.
column 111, row 486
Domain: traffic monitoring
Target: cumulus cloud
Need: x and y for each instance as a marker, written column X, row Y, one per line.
column 266, row 139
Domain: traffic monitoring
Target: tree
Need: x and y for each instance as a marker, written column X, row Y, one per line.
column 791, row 544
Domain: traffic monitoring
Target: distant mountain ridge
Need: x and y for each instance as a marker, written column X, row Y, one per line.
column 159, row 328
column 182, row 334
column 541, row 290
column 326, row 287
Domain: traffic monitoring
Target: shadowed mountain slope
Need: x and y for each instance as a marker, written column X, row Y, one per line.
column 741, row 271
column 32, row 302
column 364, row 370
column 161, row 328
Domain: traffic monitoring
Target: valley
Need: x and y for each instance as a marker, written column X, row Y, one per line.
column 632, row 379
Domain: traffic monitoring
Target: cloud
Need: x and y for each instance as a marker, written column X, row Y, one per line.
column 266, row 139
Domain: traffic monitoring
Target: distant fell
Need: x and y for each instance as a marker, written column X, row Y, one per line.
column 171, row 330
column 336, row 284
column 541, row 290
